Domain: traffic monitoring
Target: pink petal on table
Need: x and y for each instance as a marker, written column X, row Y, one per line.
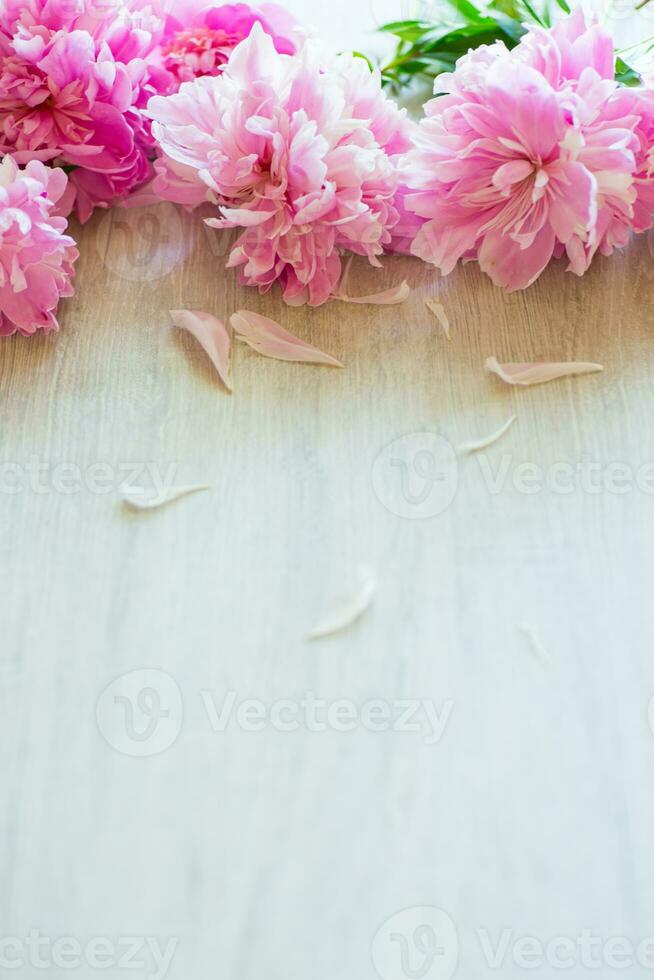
column 389, row 297
column 345, row 611
column 438, row 310
column 269, row 338
column 212, row 334
column 538, row 374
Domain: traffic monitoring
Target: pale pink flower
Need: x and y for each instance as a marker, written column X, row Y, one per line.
column 613, row 124
column 531, row 154
column 200, row 35
column 492, row 173
column 36, row 256
column 644, row 175
column 297, row 152
column 564, row 52
column 73, row 80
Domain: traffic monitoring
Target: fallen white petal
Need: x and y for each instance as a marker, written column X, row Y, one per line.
column 438, row 310
column 535, row 644
column 269, row 338
column 212, row 334
column 475, row 446
column 389, row 297
column 345, row 611
column 143, row 498
column 536, row 374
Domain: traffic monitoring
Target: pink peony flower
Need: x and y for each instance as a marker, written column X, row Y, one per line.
column 531, row 154
column 200, row 36
column 492, row 173
column 298, row 153
column 615, row 127
column 36, row 257
column 73, row 80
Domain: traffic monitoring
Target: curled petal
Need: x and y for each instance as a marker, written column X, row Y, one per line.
column 142, row 498
column 269, row 338
column 212, row 334
column 537, row 374
column 389, row 297
column 346, row 610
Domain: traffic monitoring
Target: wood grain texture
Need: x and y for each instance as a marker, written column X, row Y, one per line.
column 280, row 854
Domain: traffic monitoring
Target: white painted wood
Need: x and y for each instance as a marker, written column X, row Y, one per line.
column 526, row 615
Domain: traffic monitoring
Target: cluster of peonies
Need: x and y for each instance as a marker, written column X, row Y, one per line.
column 532, row 154
column 75, row 79
column 76, row 75
column 526, row 155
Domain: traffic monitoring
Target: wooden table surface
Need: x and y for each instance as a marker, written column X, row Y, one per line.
column 513, row 618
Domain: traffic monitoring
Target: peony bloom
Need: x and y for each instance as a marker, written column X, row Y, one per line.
column 36, row 257
column 493, row 175
column 200, row 36
column 531, row 154
column 73, row 81
column 615, row 127
column 298, row 153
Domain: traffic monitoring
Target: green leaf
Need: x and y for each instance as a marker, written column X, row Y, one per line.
column 461, row 39
column 533, row 14
column 407, row 30
column 428, row 49
column 466, row 9
column 626, row 75
column 364, row 57
column 511, row 30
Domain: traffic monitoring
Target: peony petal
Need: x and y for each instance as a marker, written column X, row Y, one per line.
column 511, row 266
column 537, row 374
column 269, row 338
column 142, row 498
column 213, row 336
column 475, row 446
column 389, row 297
column 345, row 611
column 535, row 643
column 439, row 312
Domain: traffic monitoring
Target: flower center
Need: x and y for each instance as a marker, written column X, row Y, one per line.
column 198, row 51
